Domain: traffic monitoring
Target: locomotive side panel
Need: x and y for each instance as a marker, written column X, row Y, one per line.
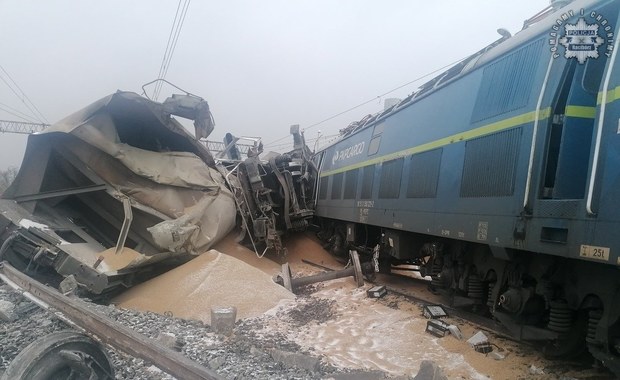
column 447, row 164
column 502, row 185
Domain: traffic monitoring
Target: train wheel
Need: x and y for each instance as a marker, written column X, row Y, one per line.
column 61, row 355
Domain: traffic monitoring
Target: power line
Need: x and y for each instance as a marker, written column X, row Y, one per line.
column 371, row 100
column 15, row 112
column 40, row 115
column 173, row 38
column 290, row 143
column 163, row 61
column 176, row 39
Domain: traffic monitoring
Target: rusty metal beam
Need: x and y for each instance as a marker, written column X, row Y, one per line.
column 106, row 330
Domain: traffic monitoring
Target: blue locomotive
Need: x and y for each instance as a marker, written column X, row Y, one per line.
column 500, row 178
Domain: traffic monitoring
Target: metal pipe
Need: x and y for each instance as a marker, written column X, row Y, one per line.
column 122, row 237
column 7, row 243
column 326, row 276
column 530, row 166
column 317, row 265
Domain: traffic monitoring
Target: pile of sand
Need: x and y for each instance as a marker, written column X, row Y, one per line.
column 211, row 279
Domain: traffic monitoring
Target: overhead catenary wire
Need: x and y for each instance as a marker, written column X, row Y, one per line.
column 163, row 61
column 173, row 38
column 371, row 100
column 21, row 95
column 15, row 112
column 176, row 40
column 290, row 143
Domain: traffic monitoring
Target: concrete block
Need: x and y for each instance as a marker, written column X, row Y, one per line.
column 223, row 319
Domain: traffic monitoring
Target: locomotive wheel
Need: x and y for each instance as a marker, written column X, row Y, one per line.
column 573, row 344
column 61, row 355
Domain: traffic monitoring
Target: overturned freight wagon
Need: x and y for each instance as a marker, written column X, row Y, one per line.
column 114, row 188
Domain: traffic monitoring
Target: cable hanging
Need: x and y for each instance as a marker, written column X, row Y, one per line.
column 371, row 100
column 21, row 95
column 15, row 112
column 173, row 38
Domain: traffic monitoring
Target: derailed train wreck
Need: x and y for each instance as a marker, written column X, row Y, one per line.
column 120, row 185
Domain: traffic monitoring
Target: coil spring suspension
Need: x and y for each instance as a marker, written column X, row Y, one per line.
column 560, row 317
column 436, row 279
column 299, row 224
column 490, row 300
column 475, row 287
column 594, row 317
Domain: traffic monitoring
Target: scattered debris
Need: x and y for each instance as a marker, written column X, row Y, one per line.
column 480, row 343
column 483, row 348
column 455, row 331
column 437, row 328
column 434, row 311
column 377, row 291
column 497, row 355
column 477, row 338
column 68, row 285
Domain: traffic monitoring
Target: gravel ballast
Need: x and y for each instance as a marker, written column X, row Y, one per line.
column 243, row 355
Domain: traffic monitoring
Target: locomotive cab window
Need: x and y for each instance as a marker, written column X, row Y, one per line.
column 373, row 146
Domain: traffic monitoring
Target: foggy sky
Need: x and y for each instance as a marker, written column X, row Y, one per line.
column 261, row 65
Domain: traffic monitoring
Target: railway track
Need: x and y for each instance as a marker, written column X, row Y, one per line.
column 78, row 315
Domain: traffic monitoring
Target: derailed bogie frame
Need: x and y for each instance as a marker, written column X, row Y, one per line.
column 273, row 196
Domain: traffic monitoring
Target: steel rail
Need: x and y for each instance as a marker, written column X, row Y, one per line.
column 106, row 330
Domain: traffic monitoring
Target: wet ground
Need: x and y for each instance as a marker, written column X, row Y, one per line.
column 329, row 330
